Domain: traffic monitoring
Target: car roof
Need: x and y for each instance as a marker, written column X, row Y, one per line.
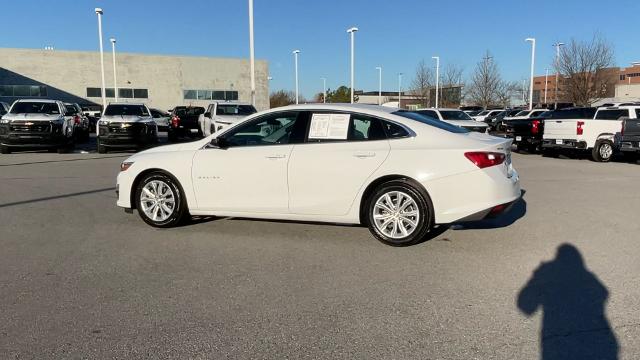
column 37, row 100
column 125, row 103
column 340, row 107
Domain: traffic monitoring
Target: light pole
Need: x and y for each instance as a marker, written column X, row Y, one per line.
column 324, row 90
column 252, row 64
column 546, row 76
column 379, row 68
column 533, row 60
column 352, row 31
column 557, row 46
column 104, row 96
column 399, row 89
column 295, row 56
column 437, row 58
column 115, row 78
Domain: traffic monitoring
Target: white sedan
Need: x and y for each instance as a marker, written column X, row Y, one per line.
column 395, row 171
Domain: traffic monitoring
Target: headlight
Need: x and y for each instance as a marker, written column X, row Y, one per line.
column 125, row 165
column 4, row 121
column 103, row 122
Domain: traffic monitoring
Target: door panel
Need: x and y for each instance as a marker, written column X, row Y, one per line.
column 324, row 178
column 244, row 179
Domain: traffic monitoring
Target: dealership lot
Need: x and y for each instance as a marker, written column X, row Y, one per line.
column 80, row 278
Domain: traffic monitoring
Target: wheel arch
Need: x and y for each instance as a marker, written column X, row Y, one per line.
column 364, row 200
column 146, row 172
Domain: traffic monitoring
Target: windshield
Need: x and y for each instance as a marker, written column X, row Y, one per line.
column 235, row 110
column 454, row 115
column 483, row 113
column 71, row 109
column 431, row 121
column 35, row 108
column 123, row 110
column 188, row 111
column 612, row 114
column 523, row 113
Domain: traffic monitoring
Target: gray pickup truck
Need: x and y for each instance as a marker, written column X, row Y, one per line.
column 629, row 139
column 37, row 123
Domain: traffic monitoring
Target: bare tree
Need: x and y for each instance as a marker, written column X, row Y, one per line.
column 451, row 86
column 485, row 83
column 505, row 91
column 422, row 83
column 583, row 69
column 281, row 98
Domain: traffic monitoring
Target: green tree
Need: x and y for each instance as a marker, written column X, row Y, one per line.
column 340, row 95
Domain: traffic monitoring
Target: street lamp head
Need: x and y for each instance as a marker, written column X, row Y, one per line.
column 269, row 77
column 98, row 11
column 113, row 40
column 436, row 57
column 296, row 52
column 378, row 67
column 352, row 29
column 530, row 39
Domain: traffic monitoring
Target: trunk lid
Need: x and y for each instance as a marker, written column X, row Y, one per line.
column 560, row 129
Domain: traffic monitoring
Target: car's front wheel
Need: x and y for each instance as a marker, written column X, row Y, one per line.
column 399, row 214
column 159, row 200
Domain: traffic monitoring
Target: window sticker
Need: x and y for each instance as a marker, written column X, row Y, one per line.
column 329, row 126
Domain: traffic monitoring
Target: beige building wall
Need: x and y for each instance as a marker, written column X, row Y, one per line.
column 164, row 76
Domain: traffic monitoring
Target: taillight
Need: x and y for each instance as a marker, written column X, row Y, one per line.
column 579, row 126
column 76, row 119
column 622, row 129
column 483, row 159
column 175, row 121
column 535, row 126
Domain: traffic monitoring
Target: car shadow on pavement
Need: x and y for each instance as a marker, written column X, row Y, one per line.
column 517, row 211
column 63, row 196
column 572, row 300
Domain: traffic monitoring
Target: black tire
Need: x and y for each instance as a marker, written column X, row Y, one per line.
column 421, row 204
column 5, row 149
column 67, row 148
column 547, row 152
column 101, row 148
column 171, row 136
column 178, row 210
column 602, row 151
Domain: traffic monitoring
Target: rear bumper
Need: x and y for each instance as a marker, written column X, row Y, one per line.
column 184, row 130
column 631, row 146
column 564, row 144
column 526, row 139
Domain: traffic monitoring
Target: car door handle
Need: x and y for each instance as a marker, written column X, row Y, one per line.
column 278, row 156
column 362, row 155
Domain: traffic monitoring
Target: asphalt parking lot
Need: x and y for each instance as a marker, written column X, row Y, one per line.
column 79, row 278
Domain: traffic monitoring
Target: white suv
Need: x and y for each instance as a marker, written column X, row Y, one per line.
column 455, row 117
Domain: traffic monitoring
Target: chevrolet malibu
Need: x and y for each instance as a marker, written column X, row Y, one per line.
column 397, row 172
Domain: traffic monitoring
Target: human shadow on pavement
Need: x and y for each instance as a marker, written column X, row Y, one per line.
column 572, row 301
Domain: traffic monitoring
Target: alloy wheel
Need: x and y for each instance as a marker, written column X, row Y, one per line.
column 157, row 200
column 396, row 214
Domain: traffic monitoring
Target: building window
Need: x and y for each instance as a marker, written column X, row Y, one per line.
column 141, row 93
column 125, row 93
column 210, row 95
column 622, row 77
column 23, row 90
column 94, row 92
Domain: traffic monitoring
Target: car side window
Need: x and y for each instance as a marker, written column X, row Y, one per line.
column 637, row 113
column 363, row 127
column 272, row 129
column 429, row 113
column 394, row 131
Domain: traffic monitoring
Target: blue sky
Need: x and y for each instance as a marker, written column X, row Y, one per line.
column 393, row 34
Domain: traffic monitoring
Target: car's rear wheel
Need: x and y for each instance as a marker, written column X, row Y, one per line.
column 399, row 214
column 603, row 151
column 159, row 200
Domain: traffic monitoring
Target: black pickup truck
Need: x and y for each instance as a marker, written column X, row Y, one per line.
column 629, row 140
column 184, row 122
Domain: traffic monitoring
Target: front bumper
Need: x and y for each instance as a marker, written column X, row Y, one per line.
column 564, row 144
column 127, row 134
column 32, row 136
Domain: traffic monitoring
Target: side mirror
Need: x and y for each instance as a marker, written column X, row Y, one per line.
column 220, row 143
column 207, row 114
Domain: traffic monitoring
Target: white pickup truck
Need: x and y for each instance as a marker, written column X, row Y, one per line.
column 597, row 134
column 222, row 114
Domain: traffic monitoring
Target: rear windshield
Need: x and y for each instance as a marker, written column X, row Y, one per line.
column 35, row 108
column 431, row 121
column 612, row 114
column 483, row 113
column 116, row 110
column 454, row 115
column 586, row 113
column 188, row 111
column 523, row 113
column 235, row 110
column 71, row 109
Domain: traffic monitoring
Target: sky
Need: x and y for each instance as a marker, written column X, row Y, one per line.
column 393, row 34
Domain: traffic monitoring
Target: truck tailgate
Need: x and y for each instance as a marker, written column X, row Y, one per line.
column 560, row 129
column 631, row 130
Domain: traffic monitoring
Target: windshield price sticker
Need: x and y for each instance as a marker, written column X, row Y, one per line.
column 329, row 126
